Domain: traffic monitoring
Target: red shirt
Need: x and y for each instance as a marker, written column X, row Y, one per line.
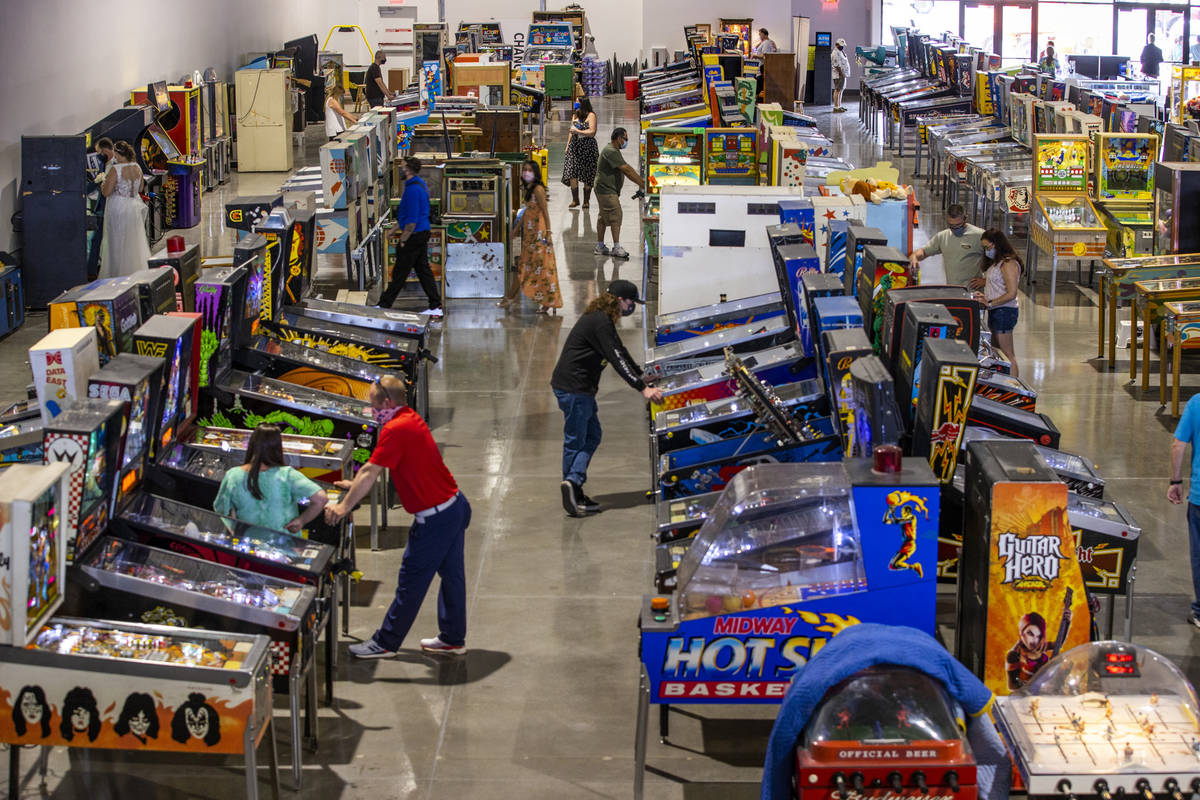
column 406, row 447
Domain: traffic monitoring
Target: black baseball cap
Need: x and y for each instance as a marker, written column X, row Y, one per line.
column 624, row 290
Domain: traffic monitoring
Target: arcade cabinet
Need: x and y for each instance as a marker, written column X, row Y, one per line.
column 32, row 499
column 172, row 338
column 137, row 382
column 819, row 88
column 54, row 215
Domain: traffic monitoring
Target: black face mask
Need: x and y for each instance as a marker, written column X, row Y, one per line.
column 627, row 312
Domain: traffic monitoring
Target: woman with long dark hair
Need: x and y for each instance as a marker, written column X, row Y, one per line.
column 537, row 269
column 1002, row 269
column 265, row 491
column 582, row 153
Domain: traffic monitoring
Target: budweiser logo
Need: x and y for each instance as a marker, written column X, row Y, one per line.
column 888, row 794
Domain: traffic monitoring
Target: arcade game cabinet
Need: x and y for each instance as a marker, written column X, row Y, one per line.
column 33, row 536
column 175, row 340
column 137, row 382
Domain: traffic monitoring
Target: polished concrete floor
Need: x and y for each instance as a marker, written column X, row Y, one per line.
column 543, row 704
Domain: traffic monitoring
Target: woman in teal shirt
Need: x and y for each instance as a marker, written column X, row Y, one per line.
column 266, row 492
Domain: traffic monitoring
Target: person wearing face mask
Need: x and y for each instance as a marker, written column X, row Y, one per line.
column 999, row 294
column 959, row 247
column 591, row 344
column 841, row 73
column 538, row 275
column 375, row 88
column 412, row 234
column 611, row 171
column 441, row 514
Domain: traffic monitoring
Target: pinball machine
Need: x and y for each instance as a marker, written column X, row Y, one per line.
column 922, row 322
column 706, row 319
column 708, row 348
column 184, row 260
column 176, row 341
column 1123, row 190
column 883, row 269
column 871, row 416
column 62, row 361
column 956, row 299
column 1013, row 422
column 137, row 382
column 783, row 438
column 949, row 376
column 803, row 294
column 242, row 400
column 674, row 157
column 775, row 366
column 841, row 349
column 298, row 365
column 398, row 323
column 89, row 438
column 33, row 538
column 731, row 156
column 1176, row 187
column 1064, row 223
column 156, row 291
column 1021, row 598
column 857, row 238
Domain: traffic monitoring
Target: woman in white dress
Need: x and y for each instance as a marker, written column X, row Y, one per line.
column 124, row 249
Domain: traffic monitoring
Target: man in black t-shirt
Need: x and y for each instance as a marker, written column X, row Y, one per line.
column 376, row 89
column 1152, row 56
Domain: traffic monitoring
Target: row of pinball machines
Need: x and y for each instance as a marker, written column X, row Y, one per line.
column 828, row 452
column 143, row 621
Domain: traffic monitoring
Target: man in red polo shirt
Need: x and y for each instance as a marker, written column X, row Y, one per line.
column 435, row 543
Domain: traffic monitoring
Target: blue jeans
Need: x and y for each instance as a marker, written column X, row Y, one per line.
column 581, row 434
column 435, row 545
column 1194, row 542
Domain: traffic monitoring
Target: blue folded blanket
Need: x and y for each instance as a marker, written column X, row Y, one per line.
column 868, row 645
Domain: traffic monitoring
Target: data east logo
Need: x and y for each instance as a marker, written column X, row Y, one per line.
column 1030, row 562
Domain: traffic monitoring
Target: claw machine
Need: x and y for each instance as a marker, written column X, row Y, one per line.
column 1123, row 189
column 731, row 156
column 1064, row 224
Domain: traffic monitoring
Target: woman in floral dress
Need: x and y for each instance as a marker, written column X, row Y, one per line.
column 537, row 269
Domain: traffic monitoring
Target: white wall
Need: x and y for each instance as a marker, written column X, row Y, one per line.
column 67, row 64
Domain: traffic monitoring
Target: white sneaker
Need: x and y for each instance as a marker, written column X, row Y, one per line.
column 436, row 645
column 618, row 252
column 434, row 312
column 601, row 249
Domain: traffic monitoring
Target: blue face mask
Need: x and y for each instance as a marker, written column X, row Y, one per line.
column 958, row 230
column 990, row 252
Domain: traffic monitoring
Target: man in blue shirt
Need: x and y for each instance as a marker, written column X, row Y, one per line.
column 1188, row 432
column 412, row 234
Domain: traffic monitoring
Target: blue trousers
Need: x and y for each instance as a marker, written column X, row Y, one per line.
column 581, row 434
column 435, row 546
column 1194, row 542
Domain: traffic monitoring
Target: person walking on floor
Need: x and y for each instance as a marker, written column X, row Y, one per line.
column 104, row 149
column 265, row 491
column 537, row 273
column 1188, row 432
column 582, row 153
column 441, row 515
column 958, row 244
column 412, row 234
column 1152, row 56
column 611, row 171
column 124, row 248
column 1002, row 273
column 334, row 113
column 591, row 344
column 841, row 73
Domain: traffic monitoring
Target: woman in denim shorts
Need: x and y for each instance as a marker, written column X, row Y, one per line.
column 1001, row 273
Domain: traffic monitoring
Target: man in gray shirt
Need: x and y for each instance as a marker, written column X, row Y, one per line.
column 959, row 248
column 765, row 45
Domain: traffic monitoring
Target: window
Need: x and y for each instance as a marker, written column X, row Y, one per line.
column 1074, row 29
column 929, row 16
column 697, row 208
column 720, row 238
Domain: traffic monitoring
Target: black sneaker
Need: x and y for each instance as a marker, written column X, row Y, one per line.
column 586, row 503
column 570, row 501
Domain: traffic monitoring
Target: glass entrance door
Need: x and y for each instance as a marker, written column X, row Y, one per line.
column 1007, row 29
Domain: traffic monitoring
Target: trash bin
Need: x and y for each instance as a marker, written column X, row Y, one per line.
column 631, row 88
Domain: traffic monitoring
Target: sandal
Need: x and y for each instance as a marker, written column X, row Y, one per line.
column 506, row 302
column 575, row 205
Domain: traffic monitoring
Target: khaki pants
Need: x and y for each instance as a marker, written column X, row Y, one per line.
column 610, row 210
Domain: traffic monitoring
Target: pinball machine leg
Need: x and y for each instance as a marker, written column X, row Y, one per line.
column 294, row 689
column 43, row 763
column 1129, row 601
column 639, row 739
column 347, row 579
column 312, row 720
column 1133, row 339
column 1162, row 364
column 1053, row 277
column 664, row 722
column 384, row 498
column 1112, row 324
column 1102, row 317
column 1176, row 359
column 14, row 767
column 248, row 752
column 1146, row 333
column 331, row 636
column 375, row 517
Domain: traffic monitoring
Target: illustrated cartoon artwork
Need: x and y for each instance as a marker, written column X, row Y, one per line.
column 1032, row 650
column 843, row 718
column 196, row 719
column 901, row 510
column 31, row 711
column 80, row 714
column 138, row 717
